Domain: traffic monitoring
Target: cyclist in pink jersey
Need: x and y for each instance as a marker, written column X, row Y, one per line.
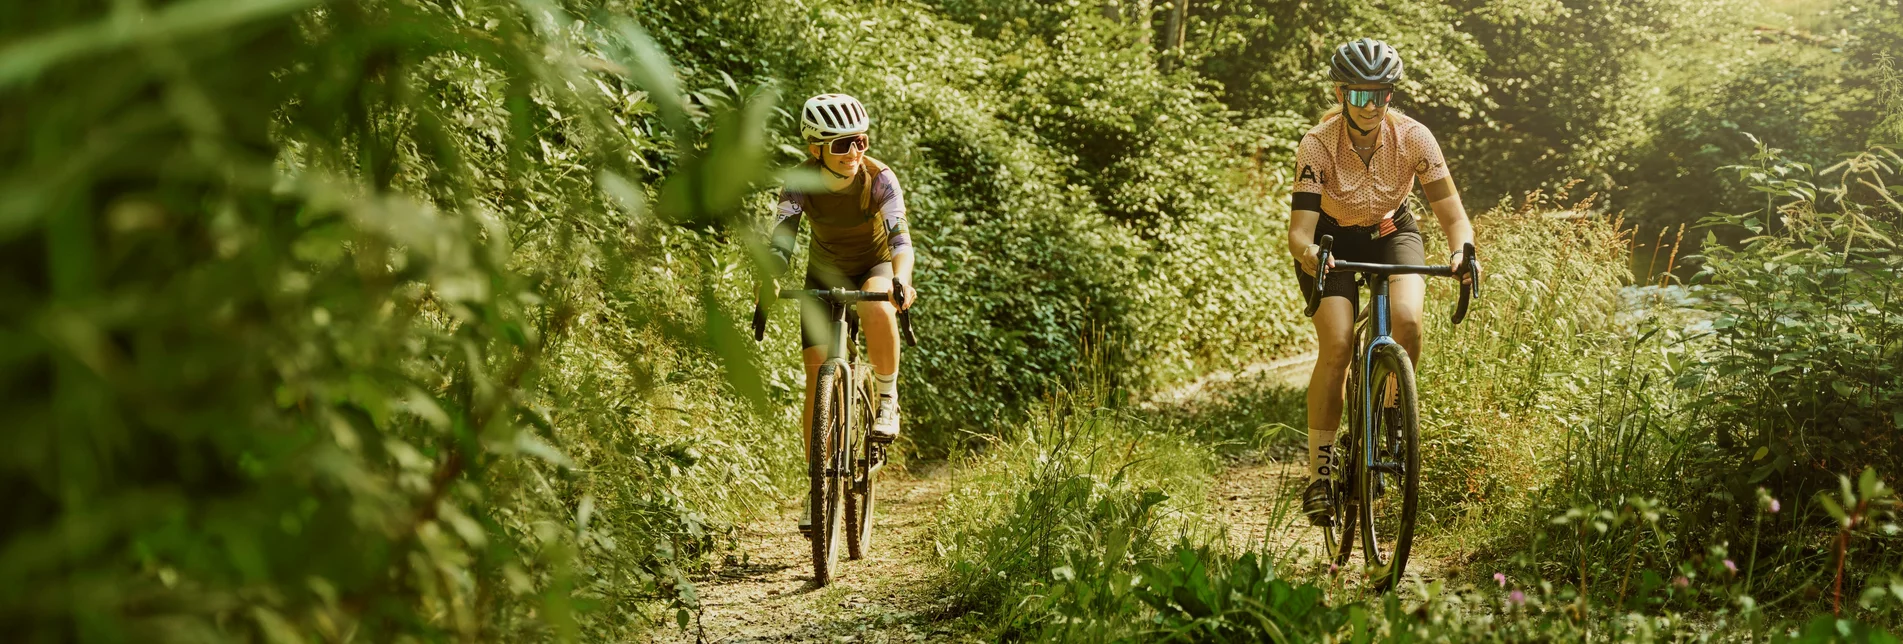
column 1354, row 172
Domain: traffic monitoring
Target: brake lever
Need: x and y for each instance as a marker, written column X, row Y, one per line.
column 1321, row 275
column 905, row 312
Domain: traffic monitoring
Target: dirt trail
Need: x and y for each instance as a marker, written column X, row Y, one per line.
column 890, row 597
column 887, row 597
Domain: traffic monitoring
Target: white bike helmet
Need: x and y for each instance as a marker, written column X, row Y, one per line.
column 830, row 116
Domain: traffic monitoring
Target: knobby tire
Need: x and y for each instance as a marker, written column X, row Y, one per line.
column 828, row 407
column 1399, row 441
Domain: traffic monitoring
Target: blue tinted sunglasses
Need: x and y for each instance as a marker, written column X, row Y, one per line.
column 1364, row 97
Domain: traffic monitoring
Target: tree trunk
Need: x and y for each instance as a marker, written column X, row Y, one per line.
column 1173, row 36
column 1144, row 12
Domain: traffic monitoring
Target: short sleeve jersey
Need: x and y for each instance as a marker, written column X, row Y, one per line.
column 852, row 231
column 1357, row 195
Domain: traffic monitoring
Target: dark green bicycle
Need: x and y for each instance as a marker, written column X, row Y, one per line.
column 841, row 456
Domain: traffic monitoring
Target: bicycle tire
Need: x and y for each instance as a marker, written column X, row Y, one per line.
column 1339, row 538
column 859, row 499
column 1394, row 437
column 821, row 471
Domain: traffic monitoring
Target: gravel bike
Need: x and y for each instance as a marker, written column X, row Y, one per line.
column 841, row 455
column 1376, row 483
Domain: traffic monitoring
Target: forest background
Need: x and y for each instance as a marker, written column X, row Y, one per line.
column 381, row 319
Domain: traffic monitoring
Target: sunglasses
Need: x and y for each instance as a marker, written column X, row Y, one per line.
column 845, row 145
column 1365, row 97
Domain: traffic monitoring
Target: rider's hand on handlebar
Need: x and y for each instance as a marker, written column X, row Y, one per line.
column 907, row 295
column 1455, row 261
column 1311, row 258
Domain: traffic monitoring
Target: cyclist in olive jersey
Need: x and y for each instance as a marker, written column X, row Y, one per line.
column 1354, row 172
column 860, row 241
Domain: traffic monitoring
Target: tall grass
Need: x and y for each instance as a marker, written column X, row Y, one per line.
column 1082, row 489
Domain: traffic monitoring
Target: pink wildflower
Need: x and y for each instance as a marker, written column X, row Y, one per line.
column 1733, row 567
column 1516, row 597
column 1681, row 582
column 1500, row 577
column 1774, row 506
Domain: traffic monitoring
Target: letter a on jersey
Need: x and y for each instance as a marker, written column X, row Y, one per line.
column 1308, row 174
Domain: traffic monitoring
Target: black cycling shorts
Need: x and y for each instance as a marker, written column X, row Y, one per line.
column 1358, row 244
column 819, row 277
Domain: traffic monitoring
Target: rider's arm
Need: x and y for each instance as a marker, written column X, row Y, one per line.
column 786, row 227
column 1445, row 200
column 898, row 233
column 1438, row 183
column 1305, row 203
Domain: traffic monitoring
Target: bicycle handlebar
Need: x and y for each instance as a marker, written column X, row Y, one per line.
column 1468, row 264
column 840, row 296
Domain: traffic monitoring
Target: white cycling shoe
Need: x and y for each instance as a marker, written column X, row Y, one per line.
column 885, row 423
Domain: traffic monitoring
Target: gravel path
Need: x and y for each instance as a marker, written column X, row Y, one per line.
column 888, row 597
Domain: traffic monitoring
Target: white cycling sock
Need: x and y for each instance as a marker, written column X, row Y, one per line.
column 886, row 384
column 1321, row 447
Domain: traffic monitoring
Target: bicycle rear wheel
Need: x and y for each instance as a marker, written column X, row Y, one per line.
column 1339, row 535
column 1390, row 490
column 830, row 412
column 859, row 498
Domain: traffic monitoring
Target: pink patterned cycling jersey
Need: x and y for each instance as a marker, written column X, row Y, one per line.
column 1353, row 194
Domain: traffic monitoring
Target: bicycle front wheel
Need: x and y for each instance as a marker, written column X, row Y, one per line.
column 830, row 412
column 1390, row 487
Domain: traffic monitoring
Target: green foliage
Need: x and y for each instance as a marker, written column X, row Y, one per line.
column 1679, row 430
column 325, row 323
column 1083, row 491
column 1802, row 373
column 1499, row 391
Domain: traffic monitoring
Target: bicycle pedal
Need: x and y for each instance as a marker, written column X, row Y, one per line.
column 882, row 439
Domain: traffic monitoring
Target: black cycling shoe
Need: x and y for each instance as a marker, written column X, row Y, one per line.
column 1318, row 502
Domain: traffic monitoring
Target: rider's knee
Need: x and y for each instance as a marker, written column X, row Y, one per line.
column 1333, row 359
column 1407, row 326
column 876, row 311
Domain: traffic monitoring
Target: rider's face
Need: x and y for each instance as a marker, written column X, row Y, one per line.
column 1366, row 116
column 846, row 164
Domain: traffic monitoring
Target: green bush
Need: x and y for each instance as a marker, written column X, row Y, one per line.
column 325, row 323
column 1079, row 492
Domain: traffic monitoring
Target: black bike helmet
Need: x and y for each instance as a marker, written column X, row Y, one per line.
column 1365, row 61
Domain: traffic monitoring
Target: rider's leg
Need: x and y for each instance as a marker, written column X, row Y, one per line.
column 880, row 321
column 1405, row 294
column 1334, row 334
